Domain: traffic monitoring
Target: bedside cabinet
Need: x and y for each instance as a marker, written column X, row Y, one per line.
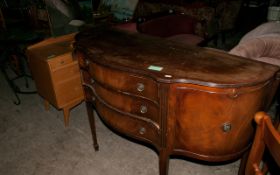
column 56, row 73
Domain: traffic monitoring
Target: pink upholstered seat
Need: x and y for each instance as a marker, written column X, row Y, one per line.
column 262, row 44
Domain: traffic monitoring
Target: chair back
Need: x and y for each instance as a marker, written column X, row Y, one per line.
column 267, row 137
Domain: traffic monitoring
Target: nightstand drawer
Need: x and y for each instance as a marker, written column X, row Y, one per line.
column 66, row 72
column 125, row 82
column 69, row 90
column 60, row 61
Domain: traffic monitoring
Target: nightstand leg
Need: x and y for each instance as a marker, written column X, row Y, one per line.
column 47, row 105
column 66, row 116
column 92, row 124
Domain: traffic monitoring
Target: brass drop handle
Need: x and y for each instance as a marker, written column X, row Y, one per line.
column 142, row 130
column 87, row 62
column 140, row 87
column 226, row 127
column 143, row 109
column 93, row 98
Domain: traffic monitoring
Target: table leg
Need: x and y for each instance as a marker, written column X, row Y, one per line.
column 47, row 105
column 243, row 163
column 92, row 124
column 66, row 116
column 163, row 162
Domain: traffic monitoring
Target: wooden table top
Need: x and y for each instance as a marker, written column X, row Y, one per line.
column 171, row 62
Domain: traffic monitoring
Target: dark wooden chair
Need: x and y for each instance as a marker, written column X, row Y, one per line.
column 266, row 142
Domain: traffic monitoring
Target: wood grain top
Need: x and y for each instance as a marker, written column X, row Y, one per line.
column 170, row 62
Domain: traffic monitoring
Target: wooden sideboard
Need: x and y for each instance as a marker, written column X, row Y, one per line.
column 56, row 73
column 183, row 100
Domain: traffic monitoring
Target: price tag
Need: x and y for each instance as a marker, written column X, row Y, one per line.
column 155, row 68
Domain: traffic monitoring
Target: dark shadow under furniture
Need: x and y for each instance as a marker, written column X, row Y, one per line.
column 13, row 61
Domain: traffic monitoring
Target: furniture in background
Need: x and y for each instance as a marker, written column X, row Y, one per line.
column 65, row 17
column 191, row 21
column 56, row 73
column 252, row 14
column 174, row 27
column 13, row 42
column 13, row 66
column 156, row 91
column 261, row 43
column 267, row 138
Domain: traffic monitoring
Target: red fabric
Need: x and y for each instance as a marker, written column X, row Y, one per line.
column 168, row 26
column 130, row 26
column 189, row 39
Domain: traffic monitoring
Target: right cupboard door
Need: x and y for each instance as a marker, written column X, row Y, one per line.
column 214, row 124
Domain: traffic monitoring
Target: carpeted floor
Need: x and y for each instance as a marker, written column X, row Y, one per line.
column 33, row 141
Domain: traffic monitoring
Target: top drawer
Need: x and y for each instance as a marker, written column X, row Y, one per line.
column 124, row 81
column 60, row 61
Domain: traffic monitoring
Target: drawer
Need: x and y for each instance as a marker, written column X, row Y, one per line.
column 124, row 81
column 134, row 105
column 66, row 72
column 60, row 61
column 128, row 125
column 68, row 90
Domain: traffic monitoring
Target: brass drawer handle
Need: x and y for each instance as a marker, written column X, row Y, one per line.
column 142, row 130
column 87, row 62
column 226, row 127
column 93, row 98
column 140, row 87
column 143, row 109
column 62, row 62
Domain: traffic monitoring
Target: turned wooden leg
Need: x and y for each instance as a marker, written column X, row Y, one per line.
column 92, row 124
column 163, row 162
column 66, row 116
column 47, row 105
column 243, row 163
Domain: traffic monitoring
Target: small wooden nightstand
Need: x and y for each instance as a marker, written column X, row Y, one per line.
column 56, row 73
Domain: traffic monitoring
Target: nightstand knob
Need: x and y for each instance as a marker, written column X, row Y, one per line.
column 140, row 87
column 143, row 109
column 142, row 130
column 92, row 81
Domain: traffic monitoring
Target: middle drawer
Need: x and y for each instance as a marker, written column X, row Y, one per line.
column 134, row 105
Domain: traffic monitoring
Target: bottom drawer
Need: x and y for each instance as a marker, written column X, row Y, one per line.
column 68, row 90
column 128, row 125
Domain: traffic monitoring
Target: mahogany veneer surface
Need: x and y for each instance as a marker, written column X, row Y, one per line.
column 183, row 100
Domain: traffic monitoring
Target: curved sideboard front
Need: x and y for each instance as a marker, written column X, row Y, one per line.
column 183, row 100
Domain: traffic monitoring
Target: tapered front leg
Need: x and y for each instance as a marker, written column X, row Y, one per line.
column 243, row 162
column 92, row 124
column 66, row 116
column 163, row 162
